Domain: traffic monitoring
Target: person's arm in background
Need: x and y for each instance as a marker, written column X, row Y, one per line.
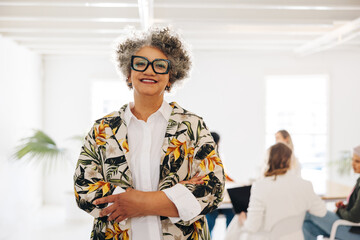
column 352, row 214
column 317, row 205
column 256, row 210
column 340, row 204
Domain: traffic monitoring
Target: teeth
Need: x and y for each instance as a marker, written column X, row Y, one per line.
column 148, row 80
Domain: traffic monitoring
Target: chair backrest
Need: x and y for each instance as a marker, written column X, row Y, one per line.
column 289, row 228
column 337, row 223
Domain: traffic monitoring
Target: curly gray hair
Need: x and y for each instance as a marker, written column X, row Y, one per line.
column 166, row 40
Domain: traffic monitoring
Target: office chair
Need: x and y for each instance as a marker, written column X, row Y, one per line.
column 288, row 228
column 336, row 224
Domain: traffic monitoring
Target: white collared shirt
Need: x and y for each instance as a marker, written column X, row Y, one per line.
column 145, row 141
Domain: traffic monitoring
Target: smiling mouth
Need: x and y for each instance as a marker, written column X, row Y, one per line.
column 148, row 81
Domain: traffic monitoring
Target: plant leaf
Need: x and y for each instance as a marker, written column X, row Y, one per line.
column 39, row 145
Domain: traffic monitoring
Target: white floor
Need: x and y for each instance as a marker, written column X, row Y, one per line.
column 56, row 223
column 49, row 223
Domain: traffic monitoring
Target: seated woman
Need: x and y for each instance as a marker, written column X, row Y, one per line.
column 314, row 226
column 283, row 136
column 278, row 196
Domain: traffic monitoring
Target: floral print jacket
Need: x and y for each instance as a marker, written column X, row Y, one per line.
column 188, row 148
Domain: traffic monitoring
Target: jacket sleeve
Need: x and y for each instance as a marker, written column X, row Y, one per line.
column 89, row 181
column 205, row 161
column 352, row 214
column 256, row 210
column 317, row 206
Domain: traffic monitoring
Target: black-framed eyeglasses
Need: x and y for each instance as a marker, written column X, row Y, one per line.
column 140, row 64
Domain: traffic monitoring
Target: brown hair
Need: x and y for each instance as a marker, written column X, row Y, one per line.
column 286, row 135
column 279, row 160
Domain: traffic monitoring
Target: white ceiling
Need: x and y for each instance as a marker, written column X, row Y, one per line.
column 90, row 26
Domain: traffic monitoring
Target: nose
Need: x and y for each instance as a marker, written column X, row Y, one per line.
column 149, row 70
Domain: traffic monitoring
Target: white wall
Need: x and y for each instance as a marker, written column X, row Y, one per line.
column 67, row 108
column 21, row 111
column 226, row 88
column 242, row 94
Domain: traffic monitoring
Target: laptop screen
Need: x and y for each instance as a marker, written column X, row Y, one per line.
column 240, row 197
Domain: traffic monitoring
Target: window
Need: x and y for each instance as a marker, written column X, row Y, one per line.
column 299, row 105
column 108, row 96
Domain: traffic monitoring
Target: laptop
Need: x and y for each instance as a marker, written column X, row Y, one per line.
column 240, row 197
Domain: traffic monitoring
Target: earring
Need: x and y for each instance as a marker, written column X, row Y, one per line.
column 129, row 84
column 167, row 88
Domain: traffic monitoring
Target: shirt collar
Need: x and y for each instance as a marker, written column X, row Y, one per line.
column 165, row 110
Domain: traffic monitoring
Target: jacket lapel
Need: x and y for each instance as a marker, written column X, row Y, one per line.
column 122, row 136
column 171, row 129
column 120, row 132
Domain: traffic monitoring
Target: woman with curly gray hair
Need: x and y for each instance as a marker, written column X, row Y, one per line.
column 151, row 169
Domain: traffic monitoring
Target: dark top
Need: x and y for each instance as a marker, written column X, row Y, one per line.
column 352, row 210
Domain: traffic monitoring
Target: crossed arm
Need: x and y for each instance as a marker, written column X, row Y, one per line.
column 134, row 203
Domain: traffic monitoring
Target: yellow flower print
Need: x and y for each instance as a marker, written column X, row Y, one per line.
column 176, row 149
column 126, row 235
column 101, row 184
column 190, row 158
column 191, row 154
column 210, row 159
column 197, row 226
column 172, row 104
column 76, row 194
column 109, row 115
column 100, row 134
column 110, row 234
column 114, row 130
column 206, row 179
column 124, row 144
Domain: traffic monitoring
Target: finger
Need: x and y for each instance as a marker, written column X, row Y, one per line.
column 120, row 218
column 198, row 177
column 195, row 179
column 107, row 211
column 104, row 200
column 114, row 215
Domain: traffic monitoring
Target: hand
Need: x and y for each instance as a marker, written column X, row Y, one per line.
column 340, row 204
column 125, row 205
column 194, row 180
column 242, row 218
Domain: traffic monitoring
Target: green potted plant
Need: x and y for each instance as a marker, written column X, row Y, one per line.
column 343, row 163
column 55, row 162
column 40, row 148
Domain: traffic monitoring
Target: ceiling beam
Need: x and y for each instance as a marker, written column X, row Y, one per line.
column 65, row 25
column 60, row 30
column 68, row 12
column 329, row 40
column 69, row 19
column 301, row 6
column 328, row 5
column 70, row 3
